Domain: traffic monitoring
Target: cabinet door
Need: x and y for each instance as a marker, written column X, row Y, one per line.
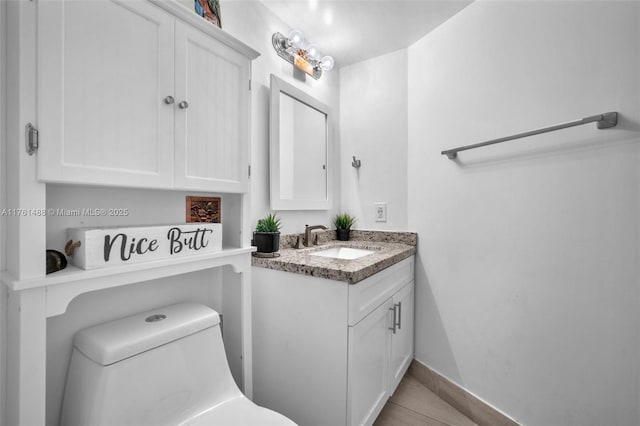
column 368, row 373
column 104, row 70
column 212, row 126
column 402, row 338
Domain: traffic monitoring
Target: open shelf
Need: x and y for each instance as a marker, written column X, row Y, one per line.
column 64, row 285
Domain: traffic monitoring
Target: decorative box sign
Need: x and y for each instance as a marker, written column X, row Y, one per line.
column 104, row 247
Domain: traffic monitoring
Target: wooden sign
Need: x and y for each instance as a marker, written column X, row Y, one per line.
column 203, row 209
column 104, row 247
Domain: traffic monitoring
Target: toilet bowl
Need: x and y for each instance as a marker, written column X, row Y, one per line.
column 164, row 367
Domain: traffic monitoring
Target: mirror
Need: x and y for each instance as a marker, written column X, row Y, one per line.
column 300, row 149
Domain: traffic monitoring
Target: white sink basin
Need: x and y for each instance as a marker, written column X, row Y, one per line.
column 346, row 253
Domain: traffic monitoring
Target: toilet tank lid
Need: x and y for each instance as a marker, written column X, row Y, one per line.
column 116, row 340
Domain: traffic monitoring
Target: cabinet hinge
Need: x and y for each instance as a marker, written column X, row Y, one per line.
column 31, row 139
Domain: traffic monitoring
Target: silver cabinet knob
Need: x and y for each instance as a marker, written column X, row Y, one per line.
column 183, row 105
column 169, row 100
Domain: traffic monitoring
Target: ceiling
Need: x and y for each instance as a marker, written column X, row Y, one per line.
column 354, row 30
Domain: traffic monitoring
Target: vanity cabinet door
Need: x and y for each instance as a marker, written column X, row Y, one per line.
column 104, row 70
column 368, row 373
column 212, row 114
column 402, row 338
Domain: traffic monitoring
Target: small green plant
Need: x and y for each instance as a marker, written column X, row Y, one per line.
column 344, row 221
column 270, row 223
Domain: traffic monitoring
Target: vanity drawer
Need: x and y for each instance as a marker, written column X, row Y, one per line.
column 367, row 295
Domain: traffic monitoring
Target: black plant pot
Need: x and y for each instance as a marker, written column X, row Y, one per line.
column 343, row 234
column 267, row 242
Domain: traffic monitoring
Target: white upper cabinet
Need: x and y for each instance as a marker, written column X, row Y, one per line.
column 212, row 125
column 130, row 95
column 103, row 71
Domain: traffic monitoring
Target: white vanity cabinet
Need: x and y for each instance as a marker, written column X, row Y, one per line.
column 325, row 351
column 369, row 347
column 402, row 335
column 132, row 94
column 380, row 339
column 379, row 353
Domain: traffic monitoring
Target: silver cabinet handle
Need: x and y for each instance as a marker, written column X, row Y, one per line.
column 183, row 105
column 394, row 319
column 169, row 100
column 399, row 324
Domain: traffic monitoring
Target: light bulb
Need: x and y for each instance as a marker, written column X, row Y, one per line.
column 312, row 52
column 327, row 63
column 296, row 38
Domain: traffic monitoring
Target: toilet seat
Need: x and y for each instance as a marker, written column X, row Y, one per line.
column 239, row 411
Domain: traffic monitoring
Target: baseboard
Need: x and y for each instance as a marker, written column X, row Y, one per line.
column 468, row 404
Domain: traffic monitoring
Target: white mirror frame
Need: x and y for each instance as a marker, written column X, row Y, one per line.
column 277, row 203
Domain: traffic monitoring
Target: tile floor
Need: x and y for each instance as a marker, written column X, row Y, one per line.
column 412, row 404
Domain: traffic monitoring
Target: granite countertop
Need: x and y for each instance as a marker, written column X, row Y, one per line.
column 390, row 248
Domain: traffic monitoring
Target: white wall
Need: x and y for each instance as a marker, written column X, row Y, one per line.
column 527, row 276
column 373, row 127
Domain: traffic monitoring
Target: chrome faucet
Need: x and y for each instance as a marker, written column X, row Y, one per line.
column 307, row 234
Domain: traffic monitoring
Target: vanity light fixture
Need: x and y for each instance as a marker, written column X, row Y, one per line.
column 305, row 56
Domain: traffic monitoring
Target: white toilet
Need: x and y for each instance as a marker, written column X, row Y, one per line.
column 164, row 367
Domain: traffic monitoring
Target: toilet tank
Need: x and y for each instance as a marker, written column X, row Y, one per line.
column 155, row 368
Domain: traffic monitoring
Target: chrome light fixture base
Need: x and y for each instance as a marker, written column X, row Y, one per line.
column 287, row 52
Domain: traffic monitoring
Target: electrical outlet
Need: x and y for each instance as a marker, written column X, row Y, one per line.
column 380, row 212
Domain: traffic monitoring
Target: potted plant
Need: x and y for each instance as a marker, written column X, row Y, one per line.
column 267, row 234
column 343, row 223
